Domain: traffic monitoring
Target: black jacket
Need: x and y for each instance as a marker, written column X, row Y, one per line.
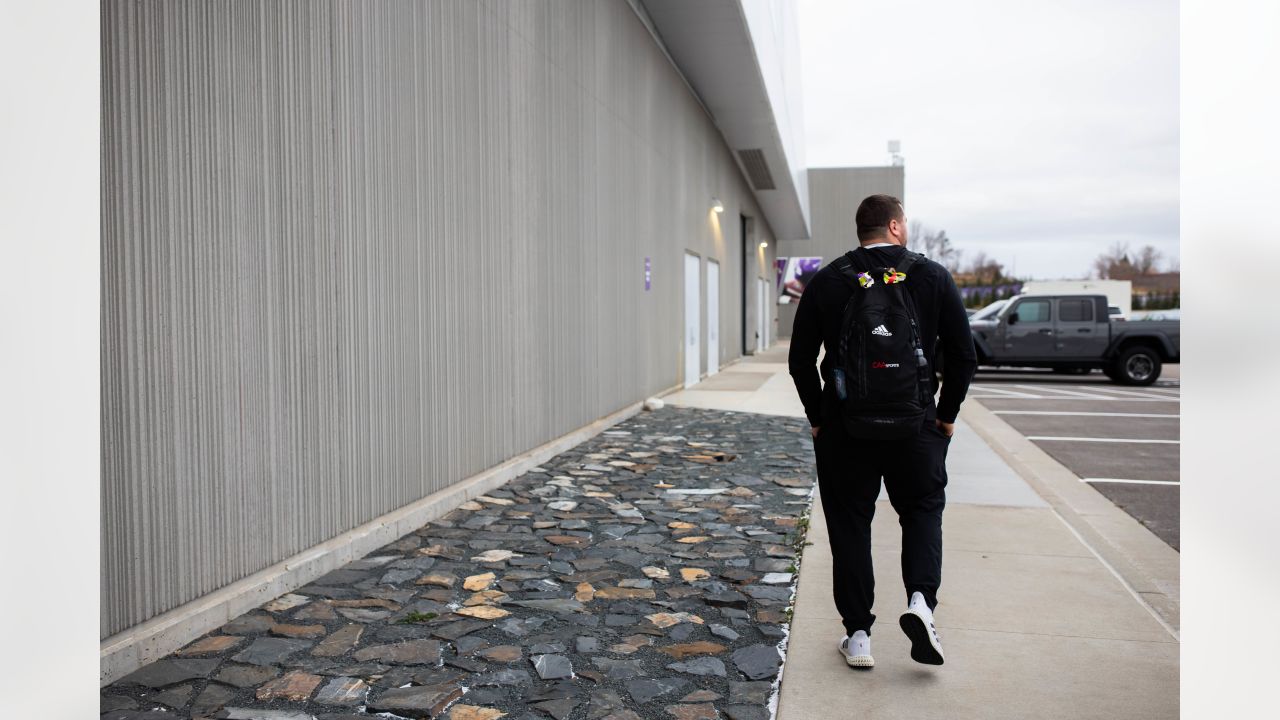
column 940, row 313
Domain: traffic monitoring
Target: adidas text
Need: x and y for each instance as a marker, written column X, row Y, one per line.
column 882, row 330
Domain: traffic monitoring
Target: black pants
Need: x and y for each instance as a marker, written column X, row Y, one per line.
column 915, row 474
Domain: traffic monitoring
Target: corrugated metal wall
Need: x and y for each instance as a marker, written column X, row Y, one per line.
column 354, row 252
column 834, row 195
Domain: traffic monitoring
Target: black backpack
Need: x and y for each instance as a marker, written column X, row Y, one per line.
column 880, row 372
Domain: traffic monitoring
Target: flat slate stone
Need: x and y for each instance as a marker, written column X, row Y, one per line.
column 757, row 662
column 240, row 713
column 212, row 699
column 700, row 666
column 210, row 645
column 558, row 709
column 175, row 697
column 617, row 669
column 171, row 671
column 455, row 630
column 342, row 691
column 560, row 605
column 745, row 712
column 723, row 631
column 501, row 653
column 552, row 667
column 417, row 701
column 243, row 676
column 293, row 687
column 249, row 624
column 411, row 652
column 509, row 676
column 270, row 651
column 107, row 703
column 646, row 689
column 338, row 643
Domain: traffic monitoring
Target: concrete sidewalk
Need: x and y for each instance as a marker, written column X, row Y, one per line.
column 1033, row 621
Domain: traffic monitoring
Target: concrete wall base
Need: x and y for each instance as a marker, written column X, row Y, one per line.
column 149, row 641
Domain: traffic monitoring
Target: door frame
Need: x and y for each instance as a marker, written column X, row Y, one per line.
column 712, row 318
column 691, row 344
column 762, row 315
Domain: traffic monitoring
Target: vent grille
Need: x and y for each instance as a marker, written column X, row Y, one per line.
column 757, row 169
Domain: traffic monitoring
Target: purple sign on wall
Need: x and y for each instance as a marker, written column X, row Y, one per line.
column 648, row 276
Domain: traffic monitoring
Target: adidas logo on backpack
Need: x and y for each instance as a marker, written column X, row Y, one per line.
column 882, row 330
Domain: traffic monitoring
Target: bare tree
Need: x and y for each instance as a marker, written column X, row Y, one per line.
column 935, row 244
column 985, row 270
column 1114, row 264
column 1147, row 260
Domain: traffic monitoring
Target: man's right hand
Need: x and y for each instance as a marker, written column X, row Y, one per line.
column 814, row 431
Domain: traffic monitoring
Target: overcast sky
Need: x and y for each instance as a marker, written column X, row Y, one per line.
column 1039, row 132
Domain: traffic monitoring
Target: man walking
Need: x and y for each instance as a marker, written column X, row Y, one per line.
column 878, row 310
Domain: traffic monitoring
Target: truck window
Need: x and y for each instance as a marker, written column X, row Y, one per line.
column 1075, row 310
column 1033, row 311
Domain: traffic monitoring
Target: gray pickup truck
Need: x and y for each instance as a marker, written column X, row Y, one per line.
column 1073, row 333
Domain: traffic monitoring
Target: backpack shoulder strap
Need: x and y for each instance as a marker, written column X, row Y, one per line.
column 909, row 259
column 845, row 266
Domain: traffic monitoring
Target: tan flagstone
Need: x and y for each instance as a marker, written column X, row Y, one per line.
column 479, row 582
column 216, row 643
column 445, row 581
column 621, row 593
column 474, row 712
column 297, row 631
column 494, row 500
column 482, row 612
column 486, row 597
column 683, row 650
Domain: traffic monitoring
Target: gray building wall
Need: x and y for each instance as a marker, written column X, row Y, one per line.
column 354, row 252
column 834, row 195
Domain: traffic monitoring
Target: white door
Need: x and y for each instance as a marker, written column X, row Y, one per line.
column 692, row 325
column 762, row 312
column 713, row 317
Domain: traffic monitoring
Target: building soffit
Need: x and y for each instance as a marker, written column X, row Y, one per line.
column 710, row 44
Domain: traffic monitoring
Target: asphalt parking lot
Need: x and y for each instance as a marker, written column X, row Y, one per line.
column 1123, row 441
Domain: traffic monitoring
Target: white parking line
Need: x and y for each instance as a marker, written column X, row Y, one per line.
column 1007, row 393
column 1084, row 414
column 1072, row 393
column 1128, row 393
column 1105, row 440
column 1059, row 398
column 1130, row 482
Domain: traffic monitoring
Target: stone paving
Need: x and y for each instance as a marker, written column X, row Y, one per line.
column 646, row 573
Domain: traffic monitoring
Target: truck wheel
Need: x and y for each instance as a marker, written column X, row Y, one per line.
column 1136, row 365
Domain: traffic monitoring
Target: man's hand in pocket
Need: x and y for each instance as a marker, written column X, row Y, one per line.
column 947, row 428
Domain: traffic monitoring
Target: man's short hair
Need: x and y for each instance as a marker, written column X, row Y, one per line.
column 874, row 215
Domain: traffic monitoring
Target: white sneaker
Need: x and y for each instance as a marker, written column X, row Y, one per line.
column 917, row 623
column 857, row 650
